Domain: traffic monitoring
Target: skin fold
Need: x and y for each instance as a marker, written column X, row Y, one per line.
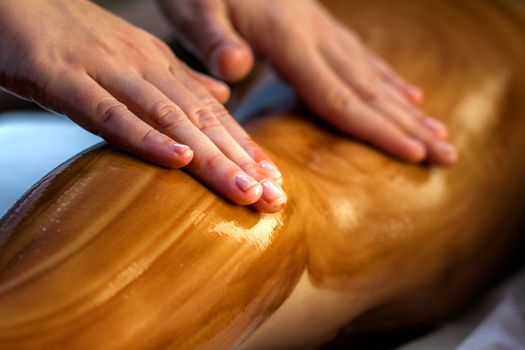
column 111, row 252
column 116, row 80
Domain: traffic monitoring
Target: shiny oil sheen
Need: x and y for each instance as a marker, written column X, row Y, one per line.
column 110, row 252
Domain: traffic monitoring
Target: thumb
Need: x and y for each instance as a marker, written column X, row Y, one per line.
column 204, row 27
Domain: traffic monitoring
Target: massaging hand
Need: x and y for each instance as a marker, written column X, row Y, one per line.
column 127, row 86
column 330, row 69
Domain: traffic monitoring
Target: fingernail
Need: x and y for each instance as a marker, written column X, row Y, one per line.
column 447, row 150
column 415, row 93
column 271, row 191
column 271, row 170
column 217, row 53
column 245, row 182
column 436, row 126
column 180, row 148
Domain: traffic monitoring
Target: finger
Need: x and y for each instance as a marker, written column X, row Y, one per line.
column 330, row 98
column 352, row 43
column 206, row 27
column 412, row 92
column 386, row 100
column 274, row 197
column 216, row 88
column 209, row 164
column 352, row 69
column 439, row 151
column 436, row 127
column 208, row 115
column 229, row 123
column 94, row 108
column 430, row 130
column 385, row 97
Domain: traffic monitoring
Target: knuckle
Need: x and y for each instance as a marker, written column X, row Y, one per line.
column 135, row 51
column 39, row 67
column 250, row 166
column 150, row 135
column 217, row 109
column 251, row 147
column 338, row 100
column 161, row 46
column 212, row 162
column 204, row 119
column 368, row 92
column 109, row 112
column 164, row 115
column 73, row 60
column 102, row 47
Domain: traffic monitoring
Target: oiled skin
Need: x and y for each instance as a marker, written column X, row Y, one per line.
column 111, row 252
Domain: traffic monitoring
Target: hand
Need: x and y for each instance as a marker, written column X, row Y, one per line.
column 124, row 84
column 328, row 66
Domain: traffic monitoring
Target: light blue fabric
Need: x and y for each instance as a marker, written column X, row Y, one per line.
column 31, row 145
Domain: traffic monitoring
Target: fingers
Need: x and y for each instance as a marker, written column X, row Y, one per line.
column 388, row 101
column 350, row 42
column 219, row 161
column 227, row 135
column 230, row 124
column 206, row 27
column 86, row 102
column 437, row 128
column 105, row 90
column 427, row 130
column 411, row 92
column 209, row 163
column 333, row 100
column 217, row 89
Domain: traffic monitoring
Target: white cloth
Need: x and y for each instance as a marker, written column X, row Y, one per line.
column 497, row 322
